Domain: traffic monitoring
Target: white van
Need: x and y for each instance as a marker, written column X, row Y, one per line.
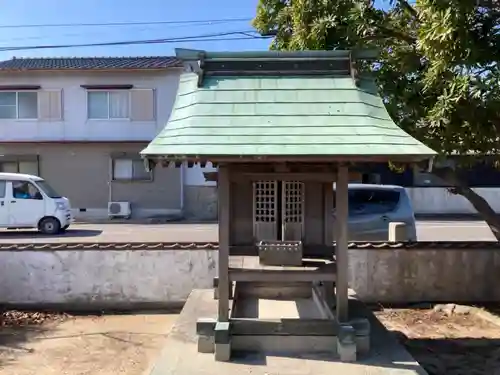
column 28, row 201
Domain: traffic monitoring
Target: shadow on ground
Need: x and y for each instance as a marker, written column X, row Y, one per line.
column 14, row 342
column 448, row 339
column 31, row 234
column 455, row 356
column 399, row 362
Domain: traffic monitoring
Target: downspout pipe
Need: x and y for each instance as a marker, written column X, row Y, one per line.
column 182, row 182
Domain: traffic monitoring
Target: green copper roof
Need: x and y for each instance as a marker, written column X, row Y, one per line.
column 235, row 106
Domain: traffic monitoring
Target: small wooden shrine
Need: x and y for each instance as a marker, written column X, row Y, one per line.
column 282, row 128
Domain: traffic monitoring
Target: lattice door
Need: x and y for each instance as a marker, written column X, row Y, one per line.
column 292, row 210
column 265, row 210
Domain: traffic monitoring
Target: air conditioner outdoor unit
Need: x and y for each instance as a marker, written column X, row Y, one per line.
column 119, row 209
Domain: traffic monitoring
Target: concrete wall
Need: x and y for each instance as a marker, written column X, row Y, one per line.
column 440, row 201
column 103, row 278
column 74, row 125
column 433, row 275
column 108, row 278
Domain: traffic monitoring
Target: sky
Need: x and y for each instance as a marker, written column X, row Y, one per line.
column 15, row 15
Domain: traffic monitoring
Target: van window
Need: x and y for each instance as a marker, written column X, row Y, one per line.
column 25, row 190
column 376, row 201
column 48, row 190
column 3, row 185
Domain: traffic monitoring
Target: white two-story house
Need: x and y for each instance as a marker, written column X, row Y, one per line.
column 80, row 123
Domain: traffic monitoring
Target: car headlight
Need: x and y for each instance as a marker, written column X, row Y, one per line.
column 60, row 206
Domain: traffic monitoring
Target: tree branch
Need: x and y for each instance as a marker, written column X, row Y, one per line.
column 406, row 6
column 382, row 32
column 478, row 202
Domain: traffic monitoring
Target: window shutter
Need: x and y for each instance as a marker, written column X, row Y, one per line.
column 28, row 167
column 50, row 105
column 142, row 105
column 56, row 105
column 122, row 169
column 9, row 167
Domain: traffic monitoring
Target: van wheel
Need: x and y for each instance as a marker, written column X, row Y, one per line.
column 49, row 225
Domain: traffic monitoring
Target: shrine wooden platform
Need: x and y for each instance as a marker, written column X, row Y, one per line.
column 248, row 268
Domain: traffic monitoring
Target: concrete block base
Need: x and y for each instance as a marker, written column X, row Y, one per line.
column 362, row 334
column 277, row 344
column 222, row 352
column 346, row 351
column 362, row 344
column 206, row 344
column 346, row 343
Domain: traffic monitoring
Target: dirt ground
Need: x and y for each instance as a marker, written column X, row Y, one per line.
column 82, row 345
column 455, row 341
column 444, row 340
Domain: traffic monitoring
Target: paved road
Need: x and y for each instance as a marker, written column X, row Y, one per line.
column 427, row 231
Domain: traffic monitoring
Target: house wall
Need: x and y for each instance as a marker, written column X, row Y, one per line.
column 75, row 126
column 82, row 173
column 80, row 167
column 200, row 196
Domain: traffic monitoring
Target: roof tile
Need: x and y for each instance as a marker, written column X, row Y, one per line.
column 90, row 63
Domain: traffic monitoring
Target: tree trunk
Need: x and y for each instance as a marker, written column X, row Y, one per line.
column 460, row 187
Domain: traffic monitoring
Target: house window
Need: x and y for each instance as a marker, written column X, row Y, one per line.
column 19, row 105
column 134, row 105
column 106, row 105
column 130, row 170
column 20, row 166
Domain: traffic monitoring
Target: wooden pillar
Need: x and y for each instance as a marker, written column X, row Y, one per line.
column 328, row 287
column 328, row 217
column 223, row 193
column 342, row 243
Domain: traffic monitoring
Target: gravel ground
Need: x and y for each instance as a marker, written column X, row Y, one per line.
column 18, row 319
column 447, row 341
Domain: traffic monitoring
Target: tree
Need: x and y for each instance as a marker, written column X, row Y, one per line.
column 438, row 69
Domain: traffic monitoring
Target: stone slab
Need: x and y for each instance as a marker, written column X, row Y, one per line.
column 277, row 291
column 262, row 308
column 180, row 355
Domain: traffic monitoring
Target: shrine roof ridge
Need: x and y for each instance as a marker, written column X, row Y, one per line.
column 273, row 63
column 191, row 54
